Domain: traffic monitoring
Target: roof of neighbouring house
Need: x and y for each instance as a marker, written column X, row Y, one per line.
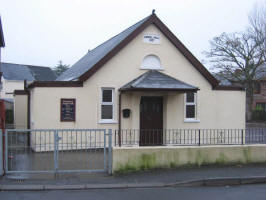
column 260, row 75
column 97, row 57
column 154, row 80
column 27, row 72
column 223, row 81
column 2, row 41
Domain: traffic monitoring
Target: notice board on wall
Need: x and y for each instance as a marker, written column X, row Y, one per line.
column 68, row 110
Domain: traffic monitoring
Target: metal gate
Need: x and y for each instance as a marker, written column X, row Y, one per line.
column 55, row 151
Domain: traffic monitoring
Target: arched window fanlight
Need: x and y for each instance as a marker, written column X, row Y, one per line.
column 151, row 62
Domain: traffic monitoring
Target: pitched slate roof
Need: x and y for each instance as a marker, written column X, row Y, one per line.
column 27, row 72
column 154, row 80
column 95, row 55
column 96, row 58
column 2, row 41
column 222, row 80
column 261, row 75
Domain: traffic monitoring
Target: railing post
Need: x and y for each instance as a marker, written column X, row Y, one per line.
column 55, row 152
column 6, row 151
column 119, row 137
column 242, row 136
column 104, row 149
column 110, row 161
column 1, row 155
column 199, row 137
column 115, row 139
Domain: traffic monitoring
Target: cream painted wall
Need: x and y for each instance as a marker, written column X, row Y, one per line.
column 9, row 86
column 216, row 109
column 20, row 111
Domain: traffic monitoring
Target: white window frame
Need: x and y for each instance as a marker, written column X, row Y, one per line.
column 191, row 120
column 107, row 121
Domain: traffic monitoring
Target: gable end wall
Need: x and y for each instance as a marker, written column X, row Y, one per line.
column 216, row 108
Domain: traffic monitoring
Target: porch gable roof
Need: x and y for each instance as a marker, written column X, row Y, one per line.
column 154, row 80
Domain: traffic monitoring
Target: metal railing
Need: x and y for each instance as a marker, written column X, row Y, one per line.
column 90, row 150
column 189, row 137
column 255, row 135
column 57, row 150
column 15, row 126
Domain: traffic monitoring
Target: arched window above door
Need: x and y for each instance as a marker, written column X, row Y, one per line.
column 151, row 62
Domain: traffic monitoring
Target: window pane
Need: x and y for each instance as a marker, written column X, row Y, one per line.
column 190, row 111
column 261, row 106
column 107, row 112
column 107, row 95
column 257, row 88
column 190, row 97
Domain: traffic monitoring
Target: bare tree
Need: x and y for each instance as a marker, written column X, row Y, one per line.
column 239, row 57
column 257, row 20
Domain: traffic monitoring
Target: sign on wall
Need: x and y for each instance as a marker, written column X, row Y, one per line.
column 151, row 38
column 68, row 110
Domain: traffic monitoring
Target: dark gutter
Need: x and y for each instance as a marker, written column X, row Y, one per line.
column 20, row 92
column 55, row 84
column 229, row 87
column 160, row 89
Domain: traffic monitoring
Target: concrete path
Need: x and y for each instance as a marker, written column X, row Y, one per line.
column 158, row 178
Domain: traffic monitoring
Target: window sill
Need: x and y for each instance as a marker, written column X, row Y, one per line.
column 159, row 69
column 108, row 121
column 191, row 120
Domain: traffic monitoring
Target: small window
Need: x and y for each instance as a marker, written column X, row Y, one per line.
column 107, row 104
column 257, row 88
column 151, row 62
column 261, row 106
column 190, row 105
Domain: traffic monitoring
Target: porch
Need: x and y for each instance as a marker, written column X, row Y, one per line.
column 151, row 102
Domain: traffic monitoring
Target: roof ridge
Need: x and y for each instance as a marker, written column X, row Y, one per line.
column 119, row 33
column 143, row 76
column 25, row 65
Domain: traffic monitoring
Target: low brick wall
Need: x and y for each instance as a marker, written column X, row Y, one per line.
column 141, row 158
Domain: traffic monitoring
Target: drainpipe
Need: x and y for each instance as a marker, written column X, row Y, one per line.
column 119, row 120
column 28, row 103
column 28, row 110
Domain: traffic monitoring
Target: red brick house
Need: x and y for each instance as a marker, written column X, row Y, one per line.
column 259, row 98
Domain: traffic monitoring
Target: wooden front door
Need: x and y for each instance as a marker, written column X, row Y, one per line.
column 151, row 121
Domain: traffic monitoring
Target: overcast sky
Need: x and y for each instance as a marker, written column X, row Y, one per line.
column 42, row 32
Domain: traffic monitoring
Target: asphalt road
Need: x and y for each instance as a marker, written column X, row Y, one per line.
column 245, row 192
